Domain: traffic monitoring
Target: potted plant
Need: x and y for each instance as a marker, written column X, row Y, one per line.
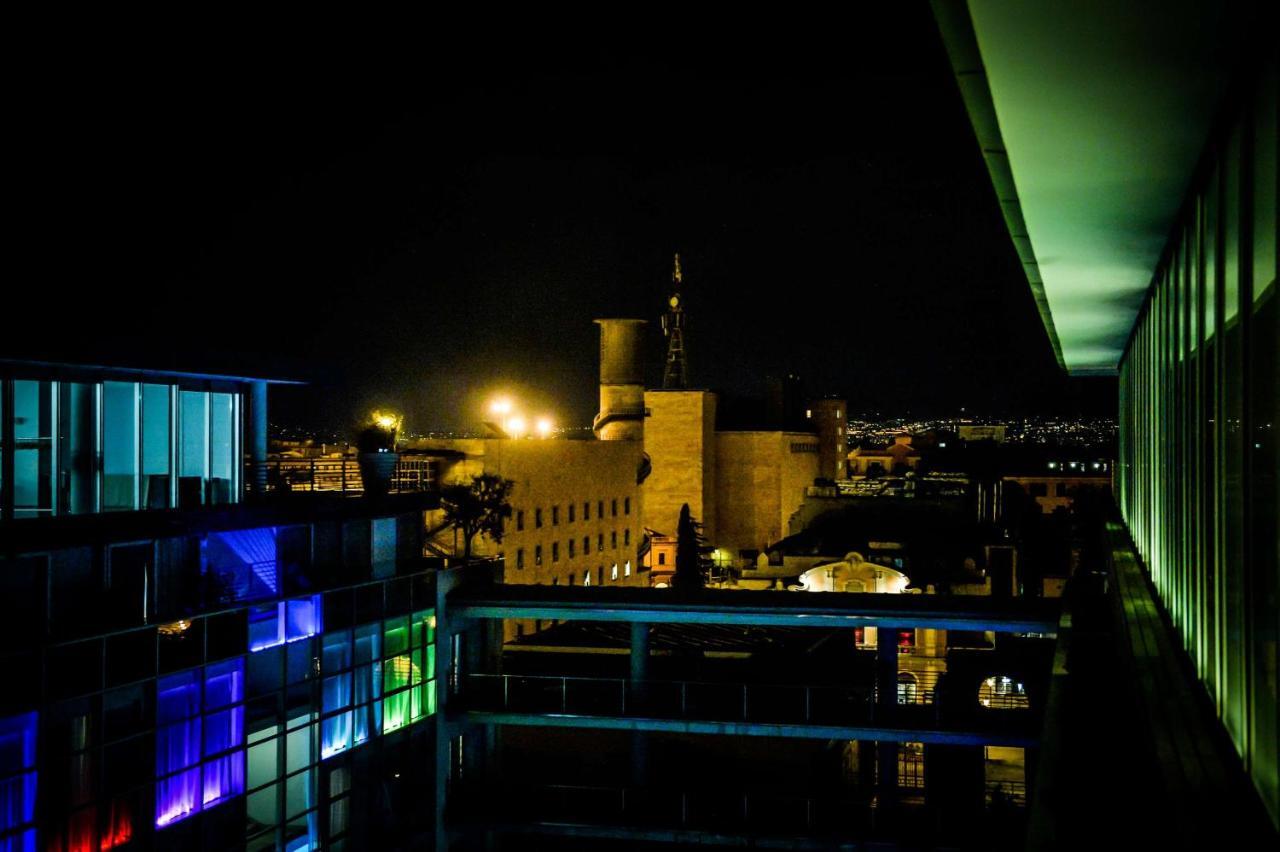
column 376, row 446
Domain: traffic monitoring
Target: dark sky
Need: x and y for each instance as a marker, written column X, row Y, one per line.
column 417, row 216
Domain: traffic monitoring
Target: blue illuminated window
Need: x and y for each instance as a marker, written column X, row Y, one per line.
column 199, row 740
column 18, row 782
column 244, row 563
column 286, row 621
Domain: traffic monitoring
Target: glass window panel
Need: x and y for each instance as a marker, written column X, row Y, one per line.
column 298, row 748
column 396, row 711
column 335, row 735
column 193, row 448
column 304, row 617
column 367, row 644
column 264, row 762
column 336, row 692
column 222, row 447
column 1264, row 185
column 224, row 683
column 336, row 653
column 223, row 730
column 177, row 797
column 1210, row 254
column 119, row 445
column 223, row 778
column 260, row 808
column 1231, row 229
column 77, row 447
column 32, row 448
column 396, row 636
column 299, row 793
column 156, row 447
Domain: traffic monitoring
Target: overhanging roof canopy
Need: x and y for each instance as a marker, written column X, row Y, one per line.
column 1091, row 116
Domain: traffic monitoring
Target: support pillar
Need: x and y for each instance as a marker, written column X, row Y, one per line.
column 257, row 438
column 886, row 710
column 637, row 703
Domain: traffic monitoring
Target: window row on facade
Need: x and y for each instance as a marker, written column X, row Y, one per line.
column 571, row 548
column 553, row 515
column 70, row 448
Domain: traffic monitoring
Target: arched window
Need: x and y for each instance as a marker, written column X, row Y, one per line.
column 908, row 688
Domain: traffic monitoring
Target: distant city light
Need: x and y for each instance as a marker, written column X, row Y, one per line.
column 515, row 426
column 543, row 427
column 500, row 407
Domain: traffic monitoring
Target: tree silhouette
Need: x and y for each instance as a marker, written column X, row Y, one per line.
column 692, row 564
column 477, row 507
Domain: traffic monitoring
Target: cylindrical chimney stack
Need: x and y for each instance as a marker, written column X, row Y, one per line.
column 621, row 416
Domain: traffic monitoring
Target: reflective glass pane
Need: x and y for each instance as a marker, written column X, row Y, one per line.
column 77, row 447
column 193, row 448
column 119, row 445
column 156, row 447
column 32, row 448
column 221, row 448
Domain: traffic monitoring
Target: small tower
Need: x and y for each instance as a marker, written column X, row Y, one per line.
column 675, row 375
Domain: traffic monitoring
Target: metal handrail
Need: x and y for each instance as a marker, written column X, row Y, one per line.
column 684, row 699
column 341, row 475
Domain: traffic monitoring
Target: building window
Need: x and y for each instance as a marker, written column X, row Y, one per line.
column 555, row 516
column 572, row 545
column 571, row 509
column 555, row 551
column 586, row 510
column 626, row 505
column 600, row 509
column 613, row 507
column 18, row 753
column 586, row 545
column 613, row 572
column 570, row 579
column 537, row 518
column 520, row 519
column 613, row 540
column 198, row 771
column 586, row 577
column 626, row 569
column 519, row 557
column 537, row 555
column 626, row 538
column 599, row 542
column 662, row 559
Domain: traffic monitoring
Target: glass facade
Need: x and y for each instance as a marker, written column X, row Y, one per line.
column 1198, row 465
column 259, row 688
column 78, row 447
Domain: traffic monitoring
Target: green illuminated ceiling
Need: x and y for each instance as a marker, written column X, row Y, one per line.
column 1091, row 115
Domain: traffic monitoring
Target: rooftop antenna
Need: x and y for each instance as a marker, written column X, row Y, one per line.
column 675, row 375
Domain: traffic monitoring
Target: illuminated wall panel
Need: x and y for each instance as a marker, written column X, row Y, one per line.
column 1198, row 463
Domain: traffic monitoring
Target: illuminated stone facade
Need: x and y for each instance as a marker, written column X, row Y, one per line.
column 760, row 484
column 742, row 485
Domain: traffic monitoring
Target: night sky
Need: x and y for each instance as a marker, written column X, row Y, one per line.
column 419, row 220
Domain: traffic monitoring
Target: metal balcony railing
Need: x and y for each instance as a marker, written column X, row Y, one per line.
column 692, row 700
column 753, row 811
column 340, row 475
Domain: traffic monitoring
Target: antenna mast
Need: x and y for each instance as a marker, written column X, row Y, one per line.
column 675, row 375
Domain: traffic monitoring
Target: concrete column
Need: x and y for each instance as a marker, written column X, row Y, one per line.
column 639, row 655
column 637, row 703
column 256, row 438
